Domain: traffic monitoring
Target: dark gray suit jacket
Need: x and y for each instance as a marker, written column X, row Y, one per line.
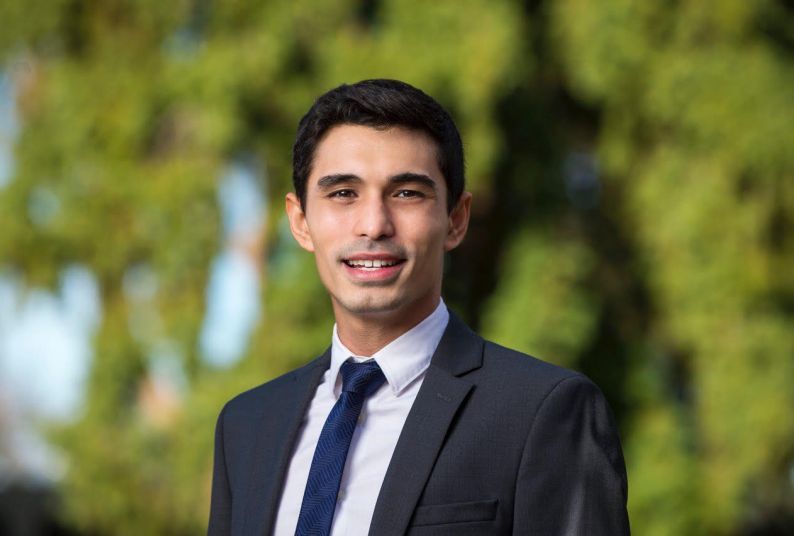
column 497, row 442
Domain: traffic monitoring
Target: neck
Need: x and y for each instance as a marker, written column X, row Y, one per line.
column 364, row 335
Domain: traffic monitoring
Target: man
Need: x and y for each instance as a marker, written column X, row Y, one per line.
column 409, row 423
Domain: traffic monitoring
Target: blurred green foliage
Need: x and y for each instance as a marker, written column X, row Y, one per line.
column 632, row 167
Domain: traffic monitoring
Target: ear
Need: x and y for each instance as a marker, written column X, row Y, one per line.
column 458, row 222
column 297, row 222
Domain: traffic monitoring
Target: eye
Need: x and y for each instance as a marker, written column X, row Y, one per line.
column 408, row 193
column 346, row 193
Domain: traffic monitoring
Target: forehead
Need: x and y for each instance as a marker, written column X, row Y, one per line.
column 372, row 153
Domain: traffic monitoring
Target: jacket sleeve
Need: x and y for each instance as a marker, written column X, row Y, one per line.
column 572, row 477
column 221, row 502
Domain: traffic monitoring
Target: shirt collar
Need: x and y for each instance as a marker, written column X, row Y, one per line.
column 402, row 360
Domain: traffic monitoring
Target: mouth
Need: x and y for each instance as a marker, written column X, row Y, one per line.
column 372, row 264
column 373, row 268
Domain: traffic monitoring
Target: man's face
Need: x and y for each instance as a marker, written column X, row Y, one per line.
column 376, row 220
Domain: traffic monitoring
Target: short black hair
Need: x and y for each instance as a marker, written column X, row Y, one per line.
column 380, row 103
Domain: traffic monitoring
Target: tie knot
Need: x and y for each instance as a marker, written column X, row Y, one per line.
column 361, row 378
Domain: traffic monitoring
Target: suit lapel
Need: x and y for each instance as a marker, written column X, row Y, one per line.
column 438, row 400
column 275, row 439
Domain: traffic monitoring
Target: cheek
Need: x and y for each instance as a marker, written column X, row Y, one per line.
column 324, row 257
column 426, row 235
column 326, row 228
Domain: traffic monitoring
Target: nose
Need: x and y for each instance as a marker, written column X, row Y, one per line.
column 374, row 220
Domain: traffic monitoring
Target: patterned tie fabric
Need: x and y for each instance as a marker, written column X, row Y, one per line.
column 359, row 381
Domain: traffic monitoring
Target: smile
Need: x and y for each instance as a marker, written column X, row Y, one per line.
column 373, row 271
column 371, row 263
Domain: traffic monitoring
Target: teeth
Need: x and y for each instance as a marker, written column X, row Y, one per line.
column 371, row 263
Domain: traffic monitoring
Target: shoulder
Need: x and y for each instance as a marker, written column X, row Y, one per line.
column 509, row 361
column 267, row 395
column 462, row 351
column 526, row 381
column 514, row 367
column 560, row 400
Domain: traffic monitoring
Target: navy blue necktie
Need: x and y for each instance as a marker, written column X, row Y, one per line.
column 359, row 381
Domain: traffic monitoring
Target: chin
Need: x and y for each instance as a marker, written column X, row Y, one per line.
column 372, row 305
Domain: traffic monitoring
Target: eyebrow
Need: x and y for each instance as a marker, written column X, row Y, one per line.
column 330, row 181
column 420, row 178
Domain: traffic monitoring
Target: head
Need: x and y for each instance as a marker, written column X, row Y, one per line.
column 378, row 173
column 380, row 104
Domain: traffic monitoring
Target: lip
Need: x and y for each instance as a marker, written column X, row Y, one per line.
column 373, row 257
column 373, row 275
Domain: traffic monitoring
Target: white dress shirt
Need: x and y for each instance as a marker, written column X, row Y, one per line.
column 404, row 362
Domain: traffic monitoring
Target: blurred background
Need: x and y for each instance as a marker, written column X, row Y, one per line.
column 632, row 163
